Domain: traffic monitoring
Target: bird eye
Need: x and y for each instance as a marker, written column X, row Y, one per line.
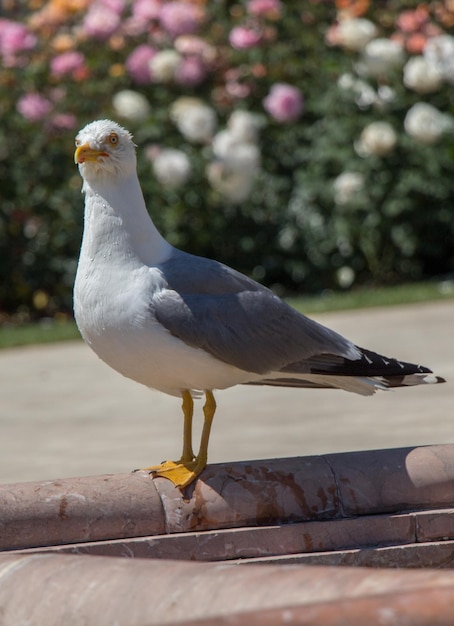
column 113, row 139
column 77, row 142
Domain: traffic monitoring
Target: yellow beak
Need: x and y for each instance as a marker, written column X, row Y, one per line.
column 84, row 153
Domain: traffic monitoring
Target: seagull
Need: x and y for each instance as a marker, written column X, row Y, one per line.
column 187, row 325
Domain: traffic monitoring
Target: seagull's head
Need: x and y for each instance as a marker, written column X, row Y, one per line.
column 103, row 150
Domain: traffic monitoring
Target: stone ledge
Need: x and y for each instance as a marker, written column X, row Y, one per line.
column 277, row 492
column 439, row 555
column 51, row 590
column 303, row 541
column 289, row 521
column 373, row 541
column 428, row 607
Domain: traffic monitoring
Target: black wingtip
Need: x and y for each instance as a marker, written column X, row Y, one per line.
column 372, row 364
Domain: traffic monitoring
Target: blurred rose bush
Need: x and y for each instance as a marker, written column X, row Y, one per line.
column 309, row 144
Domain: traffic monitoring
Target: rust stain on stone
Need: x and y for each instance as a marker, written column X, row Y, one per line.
column 323, row 497
column 264, row 489
column 308, row 543
column 352, row 492
column 333, row 491
column 198, row 518
column 267, row 487
column 62, row 511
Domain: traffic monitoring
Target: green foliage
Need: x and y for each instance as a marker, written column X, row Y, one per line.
column 290, row 232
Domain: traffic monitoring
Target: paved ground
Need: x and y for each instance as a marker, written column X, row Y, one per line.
column 64, row 413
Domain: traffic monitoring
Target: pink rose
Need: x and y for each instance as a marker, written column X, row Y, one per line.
column 116, row 6
column 180, row 18
column 237, row 90
column 410, row 21
column 101, row 22
column 138, row 64
column 146, row 10
column 264, row 8
column 242, row 37
column 67, row 63
column 192, row 45
column 33, row 106
column 284, row 102
column 64, row 121
column 14, row 38
column 190, row 72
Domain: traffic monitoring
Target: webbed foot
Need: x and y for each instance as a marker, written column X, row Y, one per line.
column 181, row 473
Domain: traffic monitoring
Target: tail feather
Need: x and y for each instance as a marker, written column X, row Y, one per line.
column 364, row 375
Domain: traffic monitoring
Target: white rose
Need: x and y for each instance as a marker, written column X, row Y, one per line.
column 237, row 163
column 345, row 276
column 378, row 138
column 234, row 152
column 164, row 65
column 386, row 95
column 245, row 126
column 246, row 158
column 426, row 124
column 346, row 186
column 236, row 185
column 365, row 95
column 421, row 76
column 381, row 56
column 346, row 81
column 195, row 120
column 355, row 33
column 439, row 51
column 237, row 157
column 131, row 105
column 172, row 167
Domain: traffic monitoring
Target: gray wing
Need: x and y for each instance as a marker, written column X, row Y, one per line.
column 210, row 306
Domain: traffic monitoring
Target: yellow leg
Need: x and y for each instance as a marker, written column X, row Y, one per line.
column 183, row 472
column 188, row 411
column 209, row 409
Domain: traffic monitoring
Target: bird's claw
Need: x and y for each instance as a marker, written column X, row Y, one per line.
column 181, row 473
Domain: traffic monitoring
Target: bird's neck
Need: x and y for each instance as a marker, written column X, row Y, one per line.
column 116, row 219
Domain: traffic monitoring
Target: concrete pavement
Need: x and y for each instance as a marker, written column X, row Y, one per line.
column 65, row 413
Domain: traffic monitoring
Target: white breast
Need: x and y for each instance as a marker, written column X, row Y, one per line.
column 119, row 326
